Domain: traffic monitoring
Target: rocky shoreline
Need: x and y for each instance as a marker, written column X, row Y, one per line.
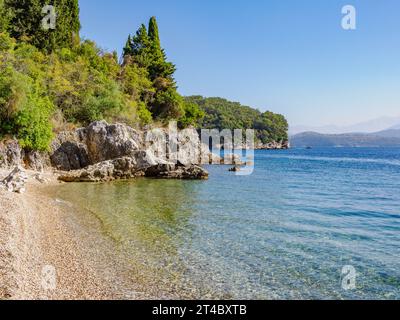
column 106, row 152
column 31, row 238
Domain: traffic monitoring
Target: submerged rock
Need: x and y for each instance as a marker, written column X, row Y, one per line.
column 179, row 171
column 15, row 181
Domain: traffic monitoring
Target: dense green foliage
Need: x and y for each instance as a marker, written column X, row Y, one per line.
column 144, row 50
column 26, row 23
column 52, row 81
column 223, row 114
column 5, row 16
column 25, row 109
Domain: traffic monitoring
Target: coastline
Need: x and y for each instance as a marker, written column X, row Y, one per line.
column 36, row 232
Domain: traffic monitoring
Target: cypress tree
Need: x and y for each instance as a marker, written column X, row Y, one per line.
column 127, row 51
column 147, row 52
column 154, row 35
column 140, row 48
column 160, row 68
column 140, row 42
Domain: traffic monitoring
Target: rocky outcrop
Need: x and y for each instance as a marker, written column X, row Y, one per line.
column 140, row 164
column 121, row 168
column 103, row 152
column 38, row 161
column 96, row 143
column 106, row 142
column 274, row 145
column 15, row 181
column 177, row 171
column 11, row 154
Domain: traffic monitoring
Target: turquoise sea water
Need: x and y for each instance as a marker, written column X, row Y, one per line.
column 284, row 232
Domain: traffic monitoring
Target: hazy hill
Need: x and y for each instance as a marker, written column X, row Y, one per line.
column 390, row 133
column 370, row 126
column 387, row 138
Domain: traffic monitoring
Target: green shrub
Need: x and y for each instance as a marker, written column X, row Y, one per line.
column 34, row 129
column 193, row 115
column 24, row 109
column 168, row 105
column 144, row 115
column 14, row 88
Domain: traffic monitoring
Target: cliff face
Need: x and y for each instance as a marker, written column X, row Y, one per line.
column 12, row 155
column 103, row 152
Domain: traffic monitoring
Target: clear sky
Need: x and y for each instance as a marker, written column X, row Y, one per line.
column 287, row 56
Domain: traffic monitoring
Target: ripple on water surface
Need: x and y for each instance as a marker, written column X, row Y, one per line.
column 284, row 232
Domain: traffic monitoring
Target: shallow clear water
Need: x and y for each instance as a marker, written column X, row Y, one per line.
column 286, row 231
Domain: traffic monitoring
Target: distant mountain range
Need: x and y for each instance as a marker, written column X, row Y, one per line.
column 384, row 138
column 370, row 126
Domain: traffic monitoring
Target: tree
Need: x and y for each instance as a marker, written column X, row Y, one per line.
column 168, row 105
column 193, row 115
column 145, row 48
column 127, row 51
column 26, row 23
column 154, row 35
column 223, row 114
column 160, row 68
column 5, row 16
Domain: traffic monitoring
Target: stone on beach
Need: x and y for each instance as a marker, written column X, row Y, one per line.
column 16, row 180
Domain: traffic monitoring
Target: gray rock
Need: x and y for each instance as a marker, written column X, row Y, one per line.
column 103, row 152
column 274, row 145
column 173, row 171
column 122, row 168
column 97, row 143
column 186, row 148
column 39, row 178
column 10, row 154
column 38, row 161
column 106, row 142
column 70, row 155
column 15, row 181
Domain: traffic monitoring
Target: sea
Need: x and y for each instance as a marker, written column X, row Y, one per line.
column 319, row 223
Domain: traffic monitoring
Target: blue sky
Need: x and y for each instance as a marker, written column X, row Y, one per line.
column 287, row 56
